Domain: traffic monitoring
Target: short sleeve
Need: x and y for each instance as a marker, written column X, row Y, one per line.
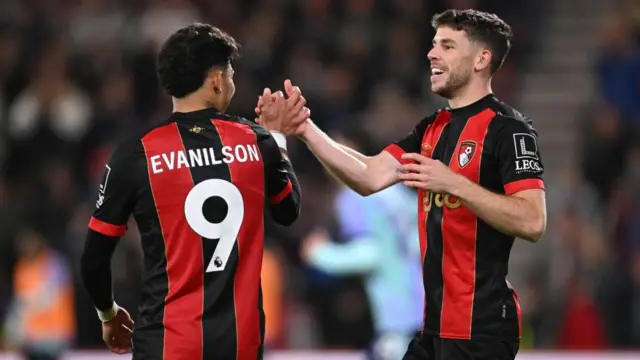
column 518, row 156
column 278, row 183
column 116, row 196
column 410, row 143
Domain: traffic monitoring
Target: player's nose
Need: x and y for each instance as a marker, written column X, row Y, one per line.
column 432, row 55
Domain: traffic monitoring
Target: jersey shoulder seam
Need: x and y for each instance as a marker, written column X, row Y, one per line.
column 506, row 119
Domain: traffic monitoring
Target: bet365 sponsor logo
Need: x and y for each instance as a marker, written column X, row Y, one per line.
column 439, row 200
column 526, row 151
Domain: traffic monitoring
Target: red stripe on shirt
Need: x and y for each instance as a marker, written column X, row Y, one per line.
column 396, row 151
column 459, row 233
column 183, row 249
column 429, row 141
column 249, row 179
column 105, row 228
column 519, row 312
column 282, row 194
column 521, row 185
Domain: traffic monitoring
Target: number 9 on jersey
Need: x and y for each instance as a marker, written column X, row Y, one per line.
column 227, row 230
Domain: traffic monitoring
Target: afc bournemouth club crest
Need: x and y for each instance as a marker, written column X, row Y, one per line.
column 466, row 152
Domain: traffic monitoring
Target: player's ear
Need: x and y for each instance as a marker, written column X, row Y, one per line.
column 215, row 80
column 483, row 60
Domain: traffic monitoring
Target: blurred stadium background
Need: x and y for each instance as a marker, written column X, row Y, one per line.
column 77, row 75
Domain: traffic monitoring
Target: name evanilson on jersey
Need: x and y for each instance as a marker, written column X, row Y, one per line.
column 203, row 157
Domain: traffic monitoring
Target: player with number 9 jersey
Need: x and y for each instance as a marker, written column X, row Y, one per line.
column 197, row 186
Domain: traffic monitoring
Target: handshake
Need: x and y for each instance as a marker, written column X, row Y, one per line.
column 287, row 115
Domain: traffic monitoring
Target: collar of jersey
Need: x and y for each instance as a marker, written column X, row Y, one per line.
column 474, row 108
column 206, row 113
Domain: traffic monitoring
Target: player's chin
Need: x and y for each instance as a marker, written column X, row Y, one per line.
column 440, row 89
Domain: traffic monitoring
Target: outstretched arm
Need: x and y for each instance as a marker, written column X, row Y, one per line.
column 365, row 175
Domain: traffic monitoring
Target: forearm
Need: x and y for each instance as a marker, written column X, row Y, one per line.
column 96, row 269
column 341, row 164
column 285, row 206
column 508, row 214
column 363, row 158
column 358, row 257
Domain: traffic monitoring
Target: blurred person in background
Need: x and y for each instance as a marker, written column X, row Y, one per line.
column 272, row 280
column 41, row 318
column 473, row 207
column 618, row 67
column 380, row 243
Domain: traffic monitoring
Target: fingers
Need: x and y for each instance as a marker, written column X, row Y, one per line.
column 300, row 104
column 120, row 345
column 294, row 97
column 121, row 350
column 302, row 116
column 258, row 109
column 415, row 157
column 415, row 184
column 411, row 176
column 296, row 101
column 288, row 87
column 411, row 168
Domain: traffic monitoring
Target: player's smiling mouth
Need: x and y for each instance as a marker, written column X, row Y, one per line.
column 436, row 72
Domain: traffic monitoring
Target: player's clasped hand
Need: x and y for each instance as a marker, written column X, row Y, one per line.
column 116, row 333
column 284, row 115
column 427, row 174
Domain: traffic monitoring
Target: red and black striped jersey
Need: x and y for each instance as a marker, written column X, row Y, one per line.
column 197, row 186
column 465, row 260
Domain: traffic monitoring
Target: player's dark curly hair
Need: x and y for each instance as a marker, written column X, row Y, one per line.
column 188, row 55
column 482, row 27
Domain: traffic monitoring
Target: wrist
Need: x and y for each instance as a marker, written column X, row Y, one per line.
column 109, row 314
column 460, row 187
column 280, row 138
column 309, row 130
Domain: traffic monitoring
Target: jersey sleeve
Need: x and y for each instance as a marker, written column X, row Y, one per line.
column 116, row 195
column 518, row 156
column 282, row 186
column 411, row 143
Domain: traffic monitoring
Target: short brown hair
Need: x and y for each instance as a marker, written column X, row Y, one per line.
column 481, row 27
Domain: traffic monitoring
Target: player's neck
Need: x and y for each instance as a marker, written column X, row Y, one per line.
column 191, row 103
column 471, row 93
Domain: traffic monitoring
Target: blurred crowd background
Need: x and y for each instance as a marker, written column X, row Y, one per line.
column 78, row 75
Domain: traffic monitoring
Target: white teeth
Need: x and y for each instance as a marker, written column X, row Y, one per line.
column 435, row 71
